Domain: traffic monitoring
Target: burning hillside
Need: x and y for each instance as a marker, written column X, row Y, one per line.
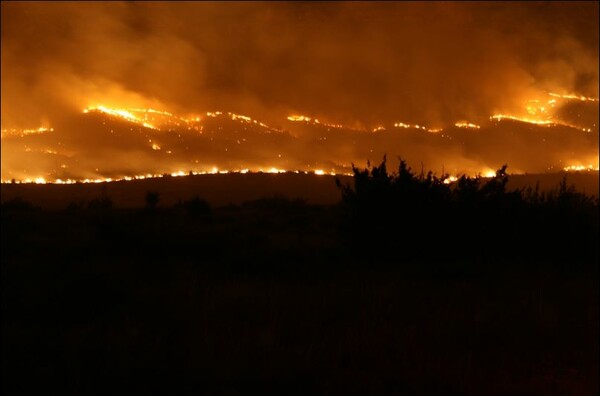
column 103, row 144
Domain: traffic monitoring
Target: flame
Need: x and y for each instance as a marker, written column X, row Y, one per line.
column 500, row 117
column 24, row 132
column 450, row 179
column 416, row 126
column 407, row 126
column 573, row 97
column 155, row 119
column 464, row 124
column 581, row 168
column 540, row 111
column 115, row 112
column 537, row 111
column 548, row 123
column 179, row 173
column 303, row 118
column 299, row 118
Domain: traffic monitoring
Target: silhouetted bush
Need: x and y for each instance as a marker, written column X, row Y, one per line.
column 406, row 216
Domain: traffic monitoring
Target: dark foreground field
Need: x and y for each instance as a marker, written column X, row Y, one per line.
column 277, row 296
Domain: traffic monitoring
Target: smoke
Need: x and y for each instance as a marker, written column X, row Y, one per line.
column 360, row 63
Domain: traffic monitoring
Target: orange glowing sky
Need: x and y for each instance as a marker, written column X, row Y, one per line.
column 297, row 71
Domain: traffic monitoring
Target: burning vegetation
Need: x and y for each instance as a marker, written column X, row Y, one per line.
column 152, row 143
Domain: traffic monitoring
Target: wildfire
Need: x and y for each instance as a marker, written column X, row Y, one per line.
column 125, row 114
column 464, row 124
column 408, row 126
column 248, row 120
column 548, row 123
column 581, row 168
column 500, row 117
column 179, row 173
column 538, row 112
column 574, row 97
column 302, row 118
column 157, row 119
column 416, row 126
column 24, row 132
column 450, row 179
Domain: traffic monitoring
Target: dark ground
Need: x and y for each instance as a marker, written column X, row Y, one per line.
column 269, row 298
column 225, row 189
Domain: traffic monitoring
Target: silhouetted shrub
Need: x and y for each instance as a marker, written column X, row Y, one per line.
column 408, row 216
